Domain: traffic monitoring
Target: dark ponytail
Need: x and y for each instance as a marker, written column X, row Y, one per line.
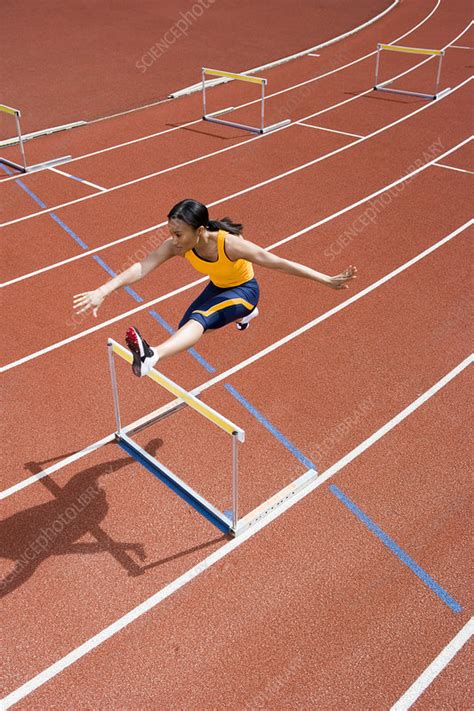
column 196, row 214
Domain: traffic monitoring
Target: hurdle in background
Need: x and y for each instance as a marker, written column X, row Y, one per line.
column 232, row 524
column 183, row 398
column 409, row 50
column 24, row 168
column 239, row 77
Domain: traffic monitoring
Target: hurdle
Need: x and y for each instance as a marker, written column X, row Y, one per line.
column 385, row 86
column 213, row 117
column 226, row 521
column 23, row 167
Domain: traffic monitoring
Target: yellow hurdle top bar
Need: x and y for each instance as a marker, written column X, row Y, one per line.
column 410, row 50
column 9, row 110
column 178, row 391
column 230, row 75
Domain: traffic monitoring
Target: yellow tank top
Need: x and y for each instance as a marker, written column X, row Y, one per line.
column 224, row 272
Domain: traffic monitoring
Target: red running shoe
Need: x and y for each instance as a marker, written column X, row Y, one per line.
column 144, row 357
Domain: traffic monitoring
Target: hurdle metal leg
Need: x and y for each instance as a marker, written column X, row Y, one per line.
column 203, row 93
column 113, row 377
column 377, row 64
column 20, row 138
column 235, row 481
column 438, row 75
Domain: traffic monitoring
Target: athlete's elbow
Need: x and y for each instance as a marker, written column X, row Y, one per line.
column 285, row 266
column 271, row 261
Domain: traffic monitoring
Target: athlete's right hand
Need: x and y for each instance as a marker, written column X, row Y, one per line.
column 88, row 300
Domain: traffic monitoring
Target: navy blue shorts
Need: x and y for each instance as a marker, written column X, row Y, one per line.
column 216, row 307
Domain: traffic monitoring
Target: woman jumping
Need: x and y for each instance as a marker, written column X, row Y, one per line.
column 215, row 248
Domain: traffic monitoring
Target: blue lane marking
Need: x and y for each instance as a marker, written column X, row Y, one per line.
column 133, row 294
column 197, row 356
column 395, row 548
column 104, row 266
column 271, row 428
column 74, row 177
column 29, row 192
column 67, row 229
column 113, row 274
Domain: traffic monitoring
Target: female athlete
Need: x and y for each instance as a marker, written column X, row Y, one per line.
column 215, row 248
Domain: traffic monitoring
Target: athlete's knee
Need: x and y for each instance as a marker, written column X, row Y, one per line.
column 196, row 318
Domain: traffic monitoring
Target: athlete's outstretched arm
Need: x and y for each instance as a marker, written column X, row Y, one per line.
column 238, row 248
column 93, row 299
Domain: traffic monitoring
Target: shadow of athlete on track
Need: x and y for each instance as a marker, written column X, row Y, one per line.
column 54, row 528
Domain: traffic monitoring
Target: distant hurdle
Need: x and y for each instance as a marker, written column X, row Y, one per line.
column 386, row 86
column 24, row 167
column 212, row 117
column 226, row 521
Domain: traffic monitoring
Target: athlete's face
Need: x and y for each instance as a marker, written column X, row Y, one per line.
column 184, row 236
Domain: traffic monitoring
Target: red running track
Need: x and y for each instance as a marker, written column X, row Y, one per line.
column 335, row 621
column 104, row 56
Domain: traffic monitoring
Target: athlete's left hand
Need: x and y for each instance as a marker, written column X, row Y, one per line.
column 339, row 281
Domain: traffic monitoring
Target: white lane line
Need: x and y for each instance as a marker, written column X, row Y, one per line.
column 151, row 602
column 232, row 147
column 435, row 668
column 260, row 354
column 450, row 167
column 79, row 180
column 457, row 46
column 190, row 285
column 249, row 103
column 256, row 186
column 170, row 294
column 331, row 130
column 311, row 54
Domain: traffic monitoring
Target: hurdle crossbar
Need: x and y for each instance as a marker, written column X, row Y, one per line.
column 23, row 167
column 213, row 117
column 227, row 521
column 386, row 86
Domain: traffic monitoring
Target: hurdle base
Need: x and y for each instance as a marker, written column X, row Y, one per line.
column 173, row 482
column 260, row 512
column 221, row 520
column 274, row 126
column 37, row 166
column 253, row 129
column 12, row 164
column 419, row 94
column 440, row 94
column 47, row 164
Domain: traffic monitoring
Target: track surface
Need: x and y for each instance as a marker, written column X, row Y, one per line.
column 314, row 610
